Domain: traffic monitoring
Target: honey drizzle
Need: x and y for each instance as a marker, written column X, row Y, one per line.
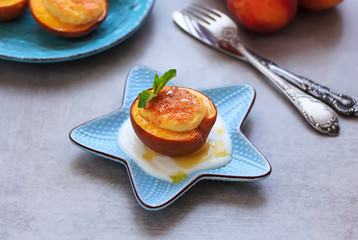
column 216, row 148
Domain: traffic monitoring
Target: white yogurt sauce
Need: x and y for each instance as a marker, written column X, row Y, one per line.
column 216, row 153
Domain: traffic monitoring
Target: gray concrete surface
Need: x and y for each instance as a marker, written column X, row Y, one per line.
column 50, row 189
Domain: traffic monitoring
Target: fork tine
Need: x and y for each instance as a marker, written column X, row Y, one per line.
column 193, row 27
column 205, row 14
column 199, row 29
column 208, row 9
column 197, row 16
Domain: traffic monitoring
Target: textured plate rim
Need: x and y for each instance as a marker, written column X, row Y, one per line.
column 102, row 48
column 202, row 176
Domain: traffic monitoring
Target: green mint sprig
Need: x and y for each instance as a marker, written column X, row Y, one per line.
column 158, row 85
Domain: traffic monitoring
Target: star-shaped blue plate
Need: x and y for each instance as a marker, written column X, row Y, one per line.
column 233, row 103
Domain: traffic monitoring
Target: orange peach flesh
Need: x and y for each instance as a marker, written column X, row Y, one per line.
column 61, row 29
column 10, row 9
column 169, row 142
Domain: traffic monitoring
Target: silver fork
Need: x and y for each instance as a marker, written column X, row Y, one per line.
column 218, row 27
column 341, row 103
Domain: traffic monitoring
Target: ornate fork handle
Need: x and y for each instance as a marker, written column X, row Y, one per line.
column 318, row 115
column 342, row 103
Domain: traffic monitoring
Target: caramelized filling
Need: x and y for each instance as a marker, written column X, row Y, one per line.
column 41, row 12
column 175, row 109
column 153, row 129
column 76, row 12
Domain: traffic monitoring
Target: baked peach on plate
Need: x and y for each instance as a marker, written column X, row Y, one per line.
column 10, row 9
column 170, row 120
column 175, row 123
column 102, row 136
column 69, row 18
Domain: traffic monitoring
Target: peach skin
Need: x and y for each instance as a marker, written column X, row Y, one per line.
column 263, row 16
column 10, row 9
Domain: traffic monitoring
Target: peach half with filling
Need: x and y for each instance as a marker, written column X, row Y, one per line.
column 10, row 9
column 175, row 123
column 69, row 18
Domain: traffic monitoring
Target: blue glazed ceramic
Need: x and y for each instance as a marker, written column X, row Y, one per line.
column 23, row 40
column 233, row 103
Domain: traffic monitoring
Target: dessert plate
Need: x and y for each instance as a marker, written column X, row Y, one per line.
column 233, row 103
column 23, row 40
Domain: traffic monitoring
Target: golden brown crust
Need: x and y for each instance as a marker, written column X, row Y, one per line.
column 76, row 12
column 175, row 109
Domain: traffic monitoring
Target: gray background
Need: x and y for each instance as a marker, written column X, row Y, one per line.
column 50, row 189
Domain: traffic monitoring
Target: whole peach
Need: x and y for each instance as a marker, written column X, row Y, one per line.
column 317, row 5
column 263, row 16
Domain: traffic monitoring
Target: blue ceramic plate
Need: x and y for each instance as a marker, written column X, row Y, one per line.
column 23, row 40
column 233, row 103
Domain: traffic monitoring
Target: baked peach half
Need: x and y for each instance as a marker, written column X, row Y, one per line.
column 69, row 18
column 10, row 9
column 175, row 123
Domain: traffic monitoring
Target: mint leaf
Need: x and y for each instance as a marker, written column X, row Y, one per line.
column 156, row 83
column 145, row 97
column 164, row 79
